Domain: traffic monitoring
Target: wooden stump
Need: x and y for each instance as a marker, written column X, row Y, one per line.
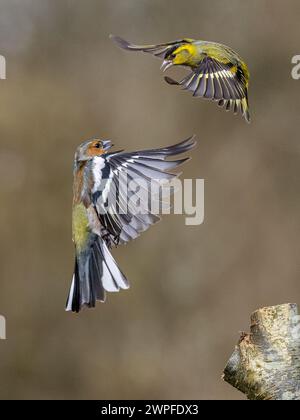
column 265, row 364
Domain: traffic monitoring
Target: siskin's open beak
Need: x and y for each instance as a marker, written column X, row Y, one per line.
column 107, row 144
column 166, row 64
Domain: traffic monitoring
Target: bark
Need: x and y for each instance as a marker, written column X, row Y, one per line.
column 265, row 364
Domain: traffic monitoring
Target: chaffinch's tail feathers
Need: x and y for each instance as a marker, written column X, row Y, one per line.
column 95, row 272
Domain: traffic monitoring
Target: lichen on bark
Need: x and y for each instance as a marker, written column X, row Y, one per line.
column 265, row 364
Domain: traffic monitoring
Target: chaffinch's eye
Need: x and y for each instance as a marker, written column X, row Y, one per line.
column 97, row 145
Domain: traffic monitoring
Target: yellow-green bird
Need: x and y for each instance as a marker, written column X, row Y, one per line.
column 218, row 72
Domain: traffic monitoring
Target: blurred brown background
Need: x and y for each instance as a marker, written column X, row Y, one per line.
column 192, row 288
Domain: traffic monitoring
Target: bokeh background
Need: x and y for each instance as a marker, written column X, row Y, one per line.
column 192, row 288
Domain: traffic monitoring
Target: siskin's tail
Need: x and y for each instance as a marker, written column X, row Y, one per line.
column 95, row 272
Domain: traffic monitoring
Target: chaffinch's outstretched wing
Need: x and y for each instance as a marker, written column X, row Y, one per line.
column 125, row 185
column 223, row 82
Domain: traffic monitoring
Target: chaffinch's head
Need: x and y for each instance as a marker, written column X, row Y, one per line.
column 90, row 148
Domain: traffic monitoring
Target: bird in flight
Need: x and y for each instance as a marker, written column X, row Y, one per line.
column 103, row 215
column 218, row 72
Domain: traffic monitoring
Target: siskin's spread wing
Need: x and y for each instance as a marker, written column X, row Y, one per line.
column 158, row 50
column 223, row 82
column 130, row 178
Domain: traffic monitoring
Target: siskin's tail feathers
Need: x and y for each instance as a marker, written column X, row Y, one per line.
column 95, row 272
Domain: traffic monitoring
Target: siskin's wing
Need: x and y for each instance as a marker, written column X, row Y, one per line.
column 158, row 50
column 124, row 203
column 223, row 82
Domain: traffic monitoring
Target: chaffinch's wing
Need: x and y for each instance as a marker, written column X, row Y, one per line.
column 125, row 174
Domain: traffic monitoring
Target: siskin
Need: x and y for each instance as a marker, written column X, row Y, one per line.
column 218, row 72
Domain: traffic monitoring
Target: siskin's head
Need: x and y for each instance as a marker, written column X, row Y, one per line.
column 183, row 55
column 90, row 148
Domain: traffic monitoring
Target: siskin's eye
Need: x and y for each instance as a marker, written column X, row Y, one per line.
column 170, row 57
column 97, row 145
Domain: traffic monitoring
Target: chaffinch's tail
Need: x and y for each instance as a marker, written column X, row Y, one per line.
column 95, row 272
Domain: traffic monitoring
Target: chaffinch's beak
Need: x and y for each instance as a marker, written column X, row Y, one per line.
column 107, row 144
column 166, row 64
